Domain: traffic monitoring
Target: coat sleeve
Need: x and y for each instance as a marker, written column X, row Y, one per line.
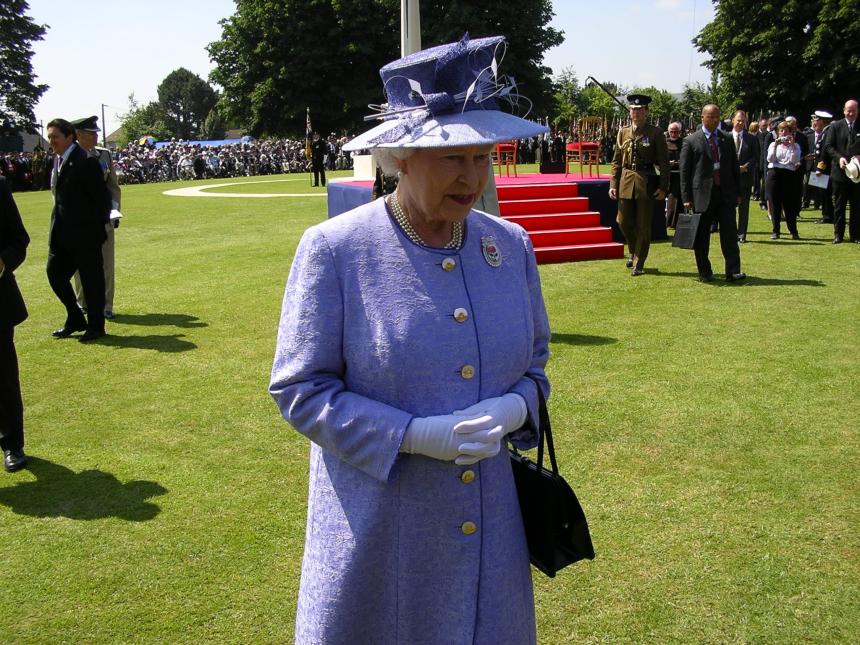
column 14, row 239
column 686, row 167
column 307, row 380
column 526, row 437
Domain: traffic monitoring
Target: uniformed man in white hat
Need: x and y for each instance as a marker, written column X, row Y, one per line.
column 87, row 130
column 640, row 149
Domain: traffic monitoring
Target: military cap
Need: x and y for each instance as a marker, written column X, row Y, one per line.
column 821, row 114
column 638, row 100
column 87, row 123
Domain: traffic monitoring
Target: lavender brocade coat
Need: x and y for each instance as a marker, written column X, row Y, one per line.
column 367, row 340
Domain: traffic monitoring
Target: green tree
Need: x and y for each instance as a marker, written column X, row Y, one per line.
column 567, row 104
column 595, row 102
column 794, row 55
column 185, row 99
column 19, row 92
column 276, row 58
column 141, row 121
column 214, row 125
column 663, row 108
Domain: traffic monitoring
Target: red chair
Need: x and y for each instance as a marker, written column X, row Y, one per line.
column 584, row 153
column 506, row 155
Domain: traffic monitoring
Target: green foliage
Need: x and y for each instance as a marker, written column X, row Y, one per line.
column 275, row 58
column 793, row 55
column 215, row 124
column 566, row 98
column 19, row 93
column 596, row 102
column 185, row 100
column 141, row 121
column 708, row 430
column 663, row 108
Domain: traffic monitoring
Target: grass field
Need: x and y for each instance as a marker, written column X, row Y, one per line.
column 710, row 431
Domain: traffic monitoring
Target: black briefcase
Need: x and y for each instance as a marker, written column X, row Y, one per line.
column 686, row 229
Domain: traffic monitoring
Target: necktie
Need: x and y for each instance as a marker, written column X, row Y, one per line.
column 54, row 173
column 715, row 156
column 737, row 142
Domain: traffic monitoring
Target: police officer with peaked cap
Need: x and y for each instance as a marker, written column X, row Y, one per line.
column 87, row 130
column 640, row 149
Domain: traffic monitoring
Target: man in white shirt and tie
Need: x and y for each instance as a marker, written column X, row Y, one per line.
column 747, row 150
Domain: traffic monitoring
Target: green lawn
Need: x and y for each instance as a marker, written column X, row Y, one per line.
column 710, row 430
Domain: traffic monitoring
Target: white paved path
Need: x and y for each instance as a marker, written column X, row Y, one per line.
column 199, row 190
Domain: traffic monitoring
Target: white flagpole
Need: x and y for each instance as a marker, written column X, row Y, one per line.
column 410, row 27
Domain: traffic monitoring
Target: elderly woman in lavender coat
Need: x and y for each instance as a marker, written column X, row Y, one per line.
column 412, row 340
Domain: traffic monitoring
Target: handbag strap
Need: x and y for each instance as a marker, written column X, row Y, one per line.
column 544, row 430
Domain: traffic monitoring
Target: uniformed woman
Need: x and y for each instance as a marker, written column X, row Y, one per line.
column 412, row 337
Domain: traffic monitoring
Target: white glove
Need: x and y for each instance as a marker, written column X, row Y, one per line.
column 488, row 423
column 433, row 437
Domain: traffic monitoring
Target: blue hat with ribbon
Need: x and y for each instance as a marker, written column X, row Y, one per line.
column 448, row 96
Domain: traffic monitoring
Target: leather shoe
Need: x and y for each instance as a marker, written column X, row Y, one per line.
column 91, row 334
column 774, row 236
column 14, row 460
column 637, row 271
column 742, row 239
column 67, row 330
column 837, row 240
column 706, row 278
column 795, row 236
column 629, row 263
column 736, row 277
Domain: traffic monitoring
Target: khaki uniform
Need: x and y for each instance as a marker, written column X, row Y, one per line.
column 638, row 156
column 108, row 253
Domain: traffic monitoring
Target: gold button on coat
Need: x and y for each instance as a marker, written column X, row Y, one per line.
column 461, row 315
column 468, row 528
column 468, row 476
column 468, row 371
column 449, row 264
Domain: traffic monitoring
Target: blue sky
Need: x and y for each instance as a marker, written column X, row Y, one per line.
column 98, row 51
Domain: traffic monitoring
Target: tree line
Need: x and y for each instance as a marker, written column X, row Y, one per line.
column 275, row 58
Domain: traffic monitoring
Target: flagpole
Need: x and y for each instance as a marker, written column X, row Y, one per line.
column 410, row 27
column 308, row 135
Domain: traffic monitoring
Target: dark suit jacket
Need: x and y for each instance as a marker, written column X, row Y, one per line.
column 837, row 144
column 13, row 250
column 81, row 203
column 697, row 171
column 750, row 154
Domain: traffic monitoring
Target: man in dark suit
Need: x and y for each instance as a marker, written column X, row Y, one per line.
column 13, row 250
column 319, row 148
column 838, row 143
column 81, row 210
column 709, row 185
column 748, row 153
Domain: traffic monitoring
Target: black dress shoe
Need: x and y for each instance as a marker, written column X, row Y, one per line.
column 795, row 236
column 637, row 271
column 709, row 277
column 736, row 277
column 67, row 330
column 742, row 239
column 774, row 236
column 91, row 334
column 629, row 263
column 14, row 460
column 837, row 240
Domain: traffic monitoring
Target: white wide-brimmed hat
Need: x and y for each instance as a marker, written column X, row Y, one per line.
column 852, row 171
column 448, row 96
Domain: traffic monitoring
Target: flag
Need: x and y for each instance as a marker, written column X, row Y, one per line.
column 309, row 132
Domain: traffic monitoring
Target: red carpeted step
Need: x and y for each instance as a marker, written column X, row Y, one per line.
column 579, row 252
column 542, row 206
column 537, row 191
column 556, row 220
column 571, row 236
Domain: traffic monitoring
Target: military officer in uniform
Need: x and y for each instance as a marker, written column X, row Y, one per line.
column 640, row 149
column 87, row 130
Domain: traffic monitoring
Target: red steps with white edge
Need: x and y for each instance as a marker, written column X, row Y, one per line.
column 559, row 223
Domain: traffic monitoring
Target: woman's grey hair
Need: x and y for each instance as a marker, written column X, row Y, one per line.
column 387, row 158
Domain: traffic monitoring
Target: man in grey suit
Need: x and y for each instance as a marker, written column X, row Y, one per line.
column 87, row 134
column 748, row 153
column 709, row 185
column 839, row 143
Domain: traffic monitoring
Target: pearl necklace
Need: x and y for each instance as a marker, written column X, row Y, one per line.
column 410, row 232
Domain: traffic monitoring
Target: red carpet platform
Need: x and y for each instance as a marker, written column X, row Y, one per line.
column 560, row 223
column 568, row 217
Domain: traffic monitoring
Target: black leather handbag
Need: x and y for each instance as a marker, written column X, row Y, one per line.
column 685, row 230
column 556, row 529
